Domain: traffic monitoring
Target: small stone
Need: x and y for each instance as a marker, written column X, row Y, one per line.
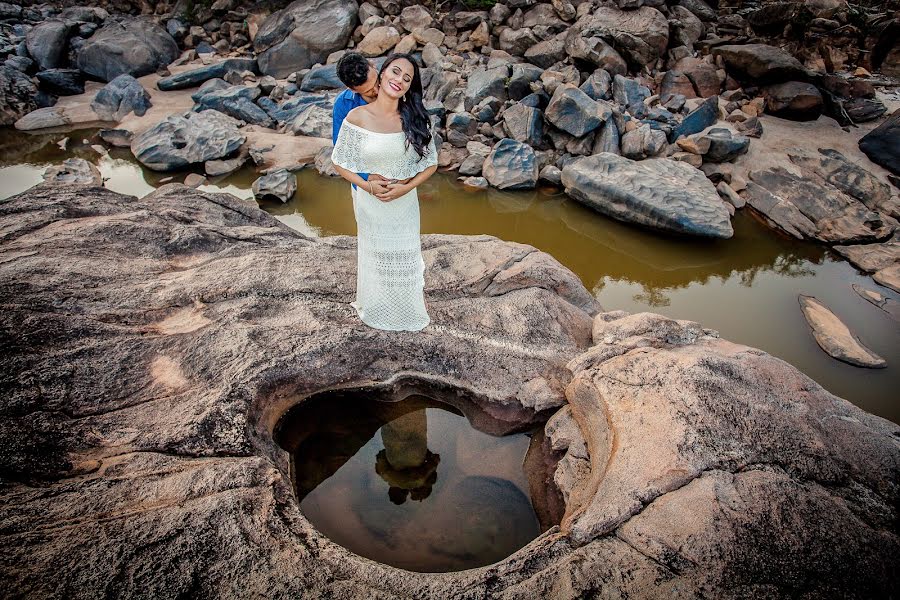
column 835, row 338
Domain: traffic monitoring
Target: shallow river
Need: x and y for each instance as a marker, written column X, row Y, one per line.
column 746, row 287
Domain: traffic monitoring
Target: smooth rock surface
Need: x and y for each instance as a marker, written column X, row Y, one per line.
column 659, row 193
column 137, row 47
column 882, row 144
column 761, row 62
column 195, row 77
column 835, row 338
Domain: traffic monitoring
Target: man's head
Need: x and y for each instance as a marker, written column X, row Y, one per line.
column 355, row 71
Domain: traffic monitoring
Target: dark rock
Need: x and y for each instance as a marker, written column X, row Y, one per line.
column 698, row 119
column 280, row 184
column 460, row 128
column 761, row 63
column 210, row 85
column 290, row 110
column 122, row 95
column 303, row 34
column 517, row 41
column 469, row 19
column 313, row 121
column 524, row 124
column 486, row 110
column 486, row 82
column 724, row 146
column 643, row 142
column 575, row 112
column 177, row 28
column 676, row 82
column 630, row 94
column 536, row 100
column 195, row 77
column 322, row 78
column 511, row 165
column 862, row 110
column 236, row 101
column 641, row 35
column 700, row 8
column 607, row 139
column 62, row 82
column 84, row 14
column 598, row 86
column 179, row 141
column 882, row 144
column 703, row 76
column 520, row 81
column 794, row 100
column 752, row 127
column 17, row 95
column 46, row 43
column 547, row 53
column 659, row 193
column 19, row 63
column 594, row 50
column 135, row 47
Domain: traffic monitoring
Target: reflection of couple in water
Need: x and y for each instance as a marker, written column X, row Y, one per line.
column 406, row 464
column 384, row 147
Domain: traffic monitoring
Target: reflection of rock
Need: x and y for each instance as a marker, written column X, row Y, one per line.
column 835, row 338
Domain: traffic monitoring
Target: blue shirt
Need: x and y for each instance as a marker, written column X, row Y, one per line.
column 344, row 103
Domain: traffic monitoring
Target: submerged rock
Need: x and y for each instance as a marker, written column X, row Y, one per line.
column 888, row 305
column 136, row 47
column 659, row 193
column 881, row 260
column 74, row 170
column 179, row 141
column 834, row 338
column 183, row 325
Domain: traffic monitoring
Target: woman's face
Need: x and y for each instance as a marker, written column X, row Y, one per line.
column 396, row 78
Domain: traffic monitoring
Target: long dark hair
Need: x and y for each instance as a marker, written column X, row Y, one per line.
column 413, row 115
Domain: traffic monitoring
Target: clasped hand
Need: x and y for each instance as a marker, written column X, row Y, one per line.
column 387, row 189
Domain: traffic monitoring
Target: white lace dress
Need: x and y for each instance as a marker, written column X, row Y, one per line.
column 390, row 275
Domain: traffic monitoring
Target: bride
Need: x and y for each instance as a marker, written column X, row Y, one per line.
column 390, row 137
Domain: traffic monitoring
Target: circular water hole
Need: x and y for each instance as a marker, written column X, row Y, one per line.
column 405, row 479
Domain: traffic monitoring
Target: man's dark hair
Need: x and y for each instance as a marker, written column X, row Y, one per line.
column 353, row 69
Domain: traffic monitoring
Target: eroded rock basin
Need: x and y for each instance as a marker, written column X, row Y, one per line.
column 408, row 481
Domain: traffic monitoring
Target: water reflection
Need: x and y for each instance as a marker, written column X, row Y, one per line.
column 745, row 287
column 409, row 483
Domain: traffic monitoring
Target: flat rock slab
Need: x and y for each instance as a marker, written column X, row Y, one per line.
column 151, row 344
column 835, row 338
column 888, row 305
column 659, row 193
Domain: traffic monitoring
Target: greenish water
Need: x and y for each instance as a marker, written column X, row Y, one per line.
column 409, row 483
column 745, row 287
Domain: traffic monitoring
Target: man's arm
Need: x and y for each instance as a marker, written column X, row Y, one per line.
column 338, row 114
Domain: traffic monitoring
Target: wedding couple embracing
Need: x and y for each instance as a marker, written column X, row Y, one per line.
column 384, row 147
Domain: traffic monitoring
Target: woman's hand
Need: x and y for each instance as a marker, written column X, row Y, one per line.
column 377, row 186
column 394, row 191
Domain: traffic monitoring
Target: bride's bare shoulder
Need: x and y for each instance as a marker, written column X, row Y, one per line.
column 356, row 115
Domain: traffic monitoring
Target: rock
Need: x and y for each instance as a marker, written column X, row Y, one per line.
column 700, row 9
column 835, row 216
column 237, row 101
column 752, row 127
column 630, row 94
column 517, row 41
column 575, row 112
column 676, row 82
column 551, row 174
column 46, row 43
column 479, row 183
column 323, row 162
column 888, row 305
column 61, row 82
column 17, row 95
column 460, row 128
column 486, row 82
column 303, row 34
column 416, row 17
column 280, row 184
column 511, row 165
column 607, row 140
column 687, row 28
column 698, row 119
column 724, row 146
column 520, row 80
column 730, row 195
column 179, row 141
column 680, row 427
column 598, row 86
column 641, row 35
column 794, row 100
column 74, row 171
column 834, row 338
column 481, row 36
column 524, row 124
column 882, row 144
column 120, row 138
column 879, row 259
column 594, row 50
column 486, row 110
column 761, row 63
column 211, row 85
column 136, row 47
column 314, row 121
column 378, row 41
column 705, row 78
column 889, row 277
column 121, row 96
column 546, row 53
column 44, row 118
column 195, row 77
column 194, row 180
column 658, row 193
column 431, row 55
column 643, row 142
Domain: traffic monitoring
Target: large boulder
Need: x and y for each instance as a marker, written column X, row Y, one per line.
column 795, row 100
column 761, row 63
column 195, row 77
column 641, row 35
column 61, row 82
column 314, row 121
column 882, row 144
column 280, row 184
column 660, row 193
column 184, row 324
column 136, row 46
column 573, row 111
column 303, row 33
column 17, row 95
column 236, row 101
column 121, row 96
column 179, row 141
column 46, row 43
column 524, row 124
column 511, row 165
column 484, row 82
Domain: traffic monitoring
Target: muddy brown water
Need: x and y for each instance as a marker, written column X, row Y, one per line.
column 746, row 287
column 409, row 483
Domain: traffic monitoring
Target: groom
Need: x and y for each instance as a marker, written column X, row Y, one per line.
column 359, row 75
